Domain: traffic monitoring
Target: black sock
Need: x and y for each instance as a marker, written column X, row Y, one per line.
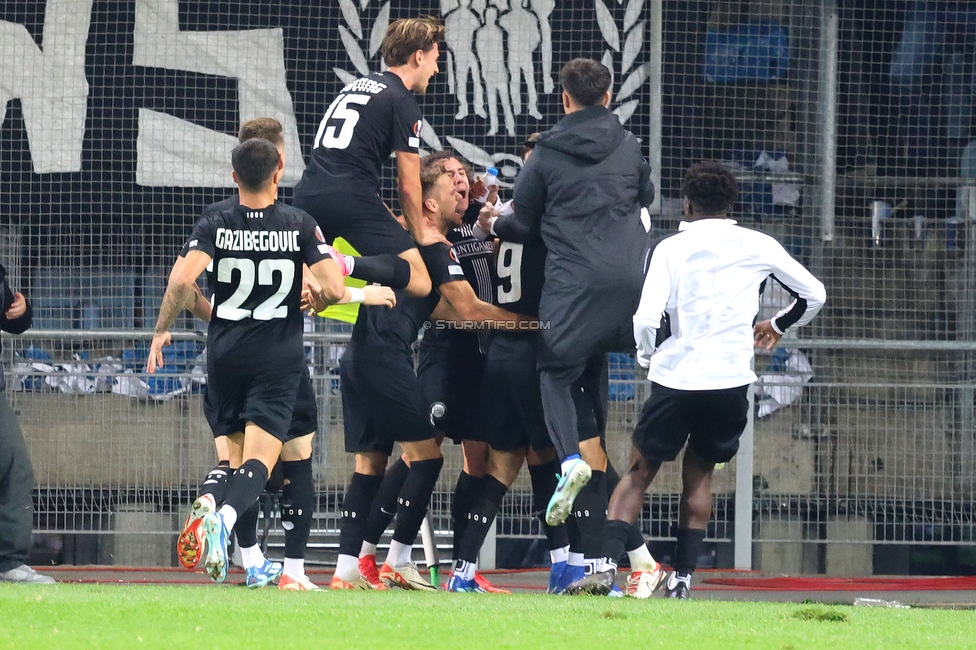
column 245, row 485
column 591, row 514
column 544, row 479
column 246, row 528
column 355, row 512
column 575, row 539
column 389, row 270
column 297, row 505
column 615, row 534
column 634, row 536
column 216, row 482
column 481, row 517
column 385, row 504
column 464, row 494
column 414, row 498
column 687, row 550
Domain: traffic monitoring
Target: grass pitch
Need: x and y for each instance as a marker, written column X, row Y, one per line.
column 137, row 616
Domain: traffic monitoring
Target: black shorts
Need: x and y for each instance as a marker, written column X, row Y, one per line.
column 359, row 217
column 450, row 375
column 266, row 399
column 304, row 417
column 509, row 402
column 710, row 421
column 381, row 402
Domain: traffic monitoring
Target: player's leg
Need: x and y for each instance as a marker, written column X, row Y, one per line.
column 261, row 451
column 646, row 573
column 557, row 387
column 543, row 472
column 381, row 514
column 297, row 507
column 502, row 468
column 356, row 506
column 425, row 459
column 716, row 421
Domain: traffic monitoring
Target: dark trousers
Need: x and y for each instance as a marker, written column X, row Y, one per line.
column 574, row 400
column 16, row 484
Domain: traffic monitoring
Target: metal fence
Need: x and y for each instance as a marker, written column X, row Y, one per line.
column 849, row 125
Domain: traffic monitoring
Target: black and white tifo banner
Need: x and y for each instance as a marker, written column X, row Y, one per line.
column 150, row 93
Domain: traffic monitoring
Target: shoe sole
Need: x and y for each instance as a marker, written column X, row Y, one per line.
column 402, row 583
column 588, row 589
column 216, row 562
column 189, row 546
column 561, row 503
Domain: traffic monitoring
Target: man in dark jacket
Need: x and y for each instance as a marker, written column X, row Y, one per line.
column 16, row 473
column 582, row 192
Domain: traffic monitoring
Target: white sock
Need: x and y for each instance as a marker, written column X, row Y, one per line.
column 367, row 549
column 641, row 559
column 252, row 557
column 347, row 568
column 575, row 559
column 295, row 567
column 229, row 515
column 465, row 570
column 559, row 555
column 569, row 462
column 399, row 554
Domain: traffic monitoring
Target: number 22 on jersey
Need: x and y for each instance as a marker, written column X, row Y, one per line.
column 338, row 136
column 272, row 307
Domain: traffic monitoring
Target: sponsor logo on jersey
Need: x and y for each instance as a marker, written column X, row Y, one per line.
column 455, row 269
column 284, row 241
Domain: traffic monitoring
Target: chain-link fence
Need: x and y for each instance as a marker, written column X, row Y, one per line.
column 850, row 126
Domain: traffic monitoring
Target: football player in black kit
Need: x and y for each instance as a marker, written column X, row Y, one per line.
column 371, row 118
column 255, row 347
column 451, row 365
column 382, row 401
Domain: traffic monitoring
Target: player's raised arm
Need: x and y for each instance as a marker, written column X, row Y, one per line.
column 179, row 294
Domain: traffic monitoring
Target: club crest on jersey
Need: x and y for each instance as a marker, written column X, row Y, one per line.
column 453, row 255
column 319, row 235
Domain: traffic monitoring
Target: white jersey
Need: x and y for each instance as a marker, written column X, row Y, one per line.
column 706, row 278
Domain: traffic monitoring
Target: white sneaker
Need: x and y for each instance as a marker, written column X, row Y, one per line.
column 26, row 575
column 570, row 484
column 643, row 584
column 405, row 577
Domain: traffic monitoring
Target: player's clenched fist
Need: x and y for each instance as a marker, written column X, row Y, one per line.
column 374, row 295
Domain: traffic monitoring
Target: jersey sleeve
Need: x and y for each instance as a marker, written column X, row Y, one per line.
column 407, row 123
column 442, row 264
column 203, row 239
column 312, row 242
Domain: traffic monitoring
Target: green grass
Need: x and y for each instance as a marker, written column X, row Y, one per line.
column 208, row 617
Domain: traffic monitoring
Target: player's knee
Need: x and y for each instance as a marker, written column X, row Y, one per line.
column 698, row 501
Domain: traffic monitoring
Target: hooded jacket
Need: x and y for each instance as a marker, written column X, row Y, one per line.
column 582, row 190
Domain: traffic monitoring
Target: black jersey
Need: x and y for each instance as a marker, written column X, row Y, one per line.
column 257, row 260
column 521, row 273
column 372, row 117
column 476, row 258
column 381, row 329
column 229, row 203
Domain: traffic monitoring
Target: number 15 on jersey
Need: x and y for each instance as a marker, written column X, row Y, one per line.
column 338, row 134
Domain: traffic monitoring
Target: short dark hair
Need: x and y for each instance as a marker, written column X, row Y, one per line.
column 428, row 177
column 262, row 127
column 586, row 81
column 710, row 188
column 255, row 162
column 407, row 35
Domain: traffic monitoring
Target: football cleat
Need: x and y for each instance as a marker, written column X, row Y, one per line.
column 370, row 574
column 569, row 485
column 301, row 583
column 338, row 584
column 555, row 572
column 217, row 537
column 642, row 584
column 260, row 576
column 595, row 584
column 678, row 587
column 571, row 574
column 405, row 577
column 459, row 585
column 487, row 587
column 189, row 545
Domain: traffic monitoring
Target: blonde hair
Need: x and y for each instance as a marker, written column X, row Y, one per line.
column 407, row 35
